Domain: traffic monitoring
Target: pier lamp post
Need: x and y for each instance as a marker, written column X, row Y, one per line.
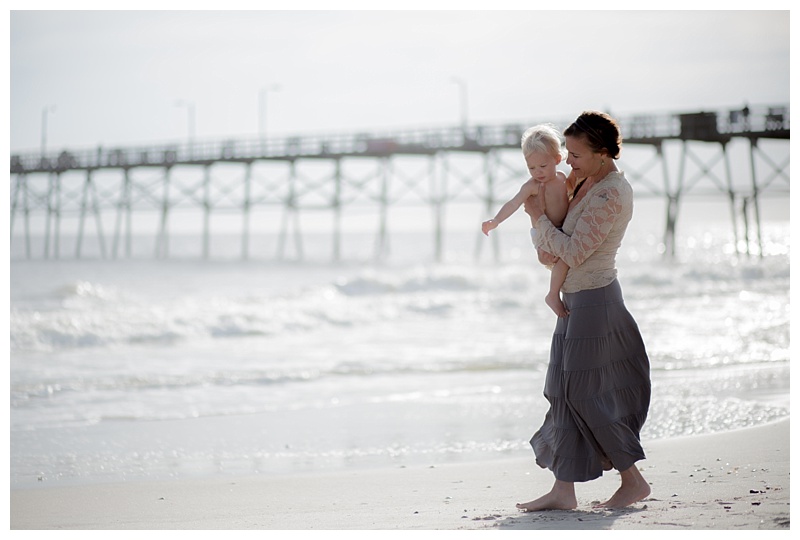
column 462, row 86
column 262, row 112
column 45, row 110
column 190, row 116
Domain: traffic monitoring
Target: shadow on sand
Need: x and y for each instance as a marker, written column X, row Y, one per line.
column 565, row 519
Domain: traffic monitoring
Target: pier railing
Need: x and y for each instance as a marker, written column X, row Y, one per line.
column 712, row 126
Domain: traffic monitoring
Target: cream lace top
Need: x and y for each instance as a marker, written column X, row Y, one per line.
column 593, row 232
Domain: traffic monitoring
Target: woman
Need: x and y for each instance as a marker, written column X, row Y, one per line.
column 598, row 379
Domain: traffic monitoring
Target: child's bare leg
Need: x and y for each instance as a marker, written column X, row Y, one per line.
column 553, row 299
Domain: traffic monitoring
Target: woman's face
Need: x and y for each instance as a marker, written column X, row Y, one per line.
column 581, row 158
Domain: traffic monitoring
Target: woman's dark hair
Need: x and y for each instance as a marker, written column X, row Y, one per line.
column 600, row 130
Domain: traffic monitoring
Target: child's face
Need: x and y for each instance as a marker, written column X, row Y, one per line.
column 542, row 166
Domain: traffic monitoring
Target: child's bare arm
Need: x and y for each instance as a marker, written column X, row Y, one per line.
column 531, row 187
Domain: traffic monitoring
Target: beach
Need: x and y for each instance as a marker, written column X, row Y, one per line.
column 734, row 480
column 239, row 303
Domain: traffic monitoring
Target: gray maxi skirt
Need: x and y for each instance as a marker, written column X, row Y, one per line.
column 598, row 386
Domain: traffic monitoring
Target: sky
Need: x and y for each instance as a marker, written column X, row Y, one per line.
column 116, row 78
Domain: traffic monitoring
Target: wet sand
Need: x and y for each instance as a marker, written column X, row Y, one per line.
column 727, row 481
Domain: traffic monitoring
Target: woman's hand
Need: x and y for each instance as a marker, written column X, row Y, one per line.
column 546, row 258
column 533, row 207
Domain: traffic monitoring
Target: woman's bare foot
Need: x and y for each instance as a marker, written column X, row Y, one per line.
column 560, row 497
column 634, row 488
column 554, row 301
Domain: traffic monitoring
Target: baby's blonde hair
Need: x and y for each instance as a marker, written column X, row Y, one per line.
column 542, row 138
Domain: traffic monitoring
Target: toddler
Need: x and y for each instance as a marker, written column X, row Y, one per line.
column 541, row 147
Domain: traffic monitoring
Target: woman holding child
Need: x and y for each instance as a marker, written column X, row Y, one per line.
column 598, row 379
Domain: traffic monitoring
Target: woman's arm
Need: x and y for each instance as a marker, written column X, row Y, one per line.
column 594, row 225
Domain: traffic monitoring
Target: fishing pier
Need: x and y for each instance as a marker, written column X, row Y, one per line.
column 332, row 173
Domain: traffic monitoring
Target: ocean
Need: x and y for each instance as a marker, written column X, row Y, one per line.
column 146, row 369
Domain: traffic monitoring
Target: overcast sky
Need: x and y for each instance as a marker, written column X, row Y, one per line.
column 116, row 77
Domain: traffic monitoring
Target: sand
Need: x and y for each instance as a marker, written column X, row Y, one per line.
column 728, row 481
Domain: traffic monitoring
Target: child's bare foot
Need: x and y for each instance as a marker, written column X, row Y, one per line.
column 554, row 301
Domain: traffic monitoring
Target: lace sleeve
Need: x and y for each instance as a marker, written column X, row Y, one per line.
column 594, row 224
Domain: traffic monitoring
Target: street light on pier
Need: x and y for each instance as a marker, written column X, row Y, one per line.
column 45, row 110
column 262, row 112
column 462, row 85
column 190, row 117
